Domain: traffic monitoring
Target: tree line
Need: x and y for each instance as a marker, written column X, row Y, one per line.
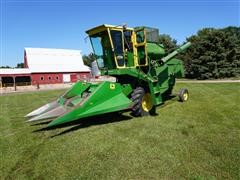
column 214, row 54
column 19, row 65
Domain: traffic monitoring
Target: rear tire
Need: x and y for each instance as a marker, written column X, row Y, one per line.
column 183, row 95
column 142, row 103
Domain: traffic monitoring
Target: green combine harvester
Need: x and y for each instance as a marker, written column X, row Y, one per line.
column 144, row 74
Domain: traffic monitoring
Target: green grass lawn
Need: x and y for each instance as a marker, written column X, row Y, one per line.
column 199, row 139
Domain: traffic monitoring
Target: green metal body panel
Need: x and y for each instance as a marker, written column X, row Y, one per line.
column 76, row 89
column 94, row 104
column 129, row 57
column 155, row 51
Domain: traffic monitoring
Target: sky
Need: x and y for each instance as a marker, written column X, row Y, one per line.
column 62, row 23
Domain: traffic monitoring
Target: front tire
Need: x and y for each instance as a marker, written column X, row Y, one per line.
column 142, row 103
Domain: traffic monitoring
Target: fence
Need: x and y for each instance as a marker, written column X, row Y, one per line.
column 16, row 84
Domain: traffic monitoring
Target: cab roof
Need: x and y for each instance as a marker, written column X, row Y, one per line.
column 103, row 27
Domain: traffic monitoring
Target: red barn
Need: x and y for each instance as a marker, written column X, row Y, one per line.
column 48, row 66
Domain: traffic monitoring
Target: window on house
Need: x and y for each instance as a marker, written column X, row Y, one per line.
column 49, row 78
column 41, row 78
column 57, row 78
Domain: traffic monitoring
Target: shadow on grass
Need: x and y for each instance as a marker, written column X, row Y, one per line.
column 41, row 123
column 170, row 97
column 169, row 100
column 86, row 122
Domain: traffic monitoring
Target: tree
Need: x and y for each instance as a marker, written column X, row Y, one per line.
column 215, row 53
column 168, row 43
column 20, row 65
column 6, row 67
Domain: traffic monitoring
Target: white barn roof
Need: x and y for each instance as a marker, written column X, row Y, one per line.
column 42, row 60
column 14, row 71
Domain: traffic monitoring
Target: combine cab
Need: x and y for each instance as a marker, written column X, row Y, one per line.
column 144, row 75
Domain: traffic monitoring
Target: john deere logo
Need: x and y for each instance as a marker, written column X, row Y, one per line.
column 112, row 86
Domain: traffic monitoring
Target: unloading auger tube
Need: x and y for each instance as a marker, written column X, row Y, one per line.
column 144, row 74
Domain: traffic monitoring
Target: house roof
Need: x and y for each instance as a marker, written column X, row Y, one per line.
column 14, row 71
column 42, row 60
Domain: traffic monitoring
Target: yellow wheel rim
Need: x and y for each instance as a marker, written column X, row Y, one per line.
column 147, row 102
column 185, row 96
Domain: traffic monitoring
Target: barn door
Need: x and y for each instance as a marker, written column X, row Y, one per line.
column 66, row 78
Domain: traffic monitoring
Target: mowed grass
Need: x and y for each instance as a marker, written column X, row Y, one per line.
column 199, row 139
